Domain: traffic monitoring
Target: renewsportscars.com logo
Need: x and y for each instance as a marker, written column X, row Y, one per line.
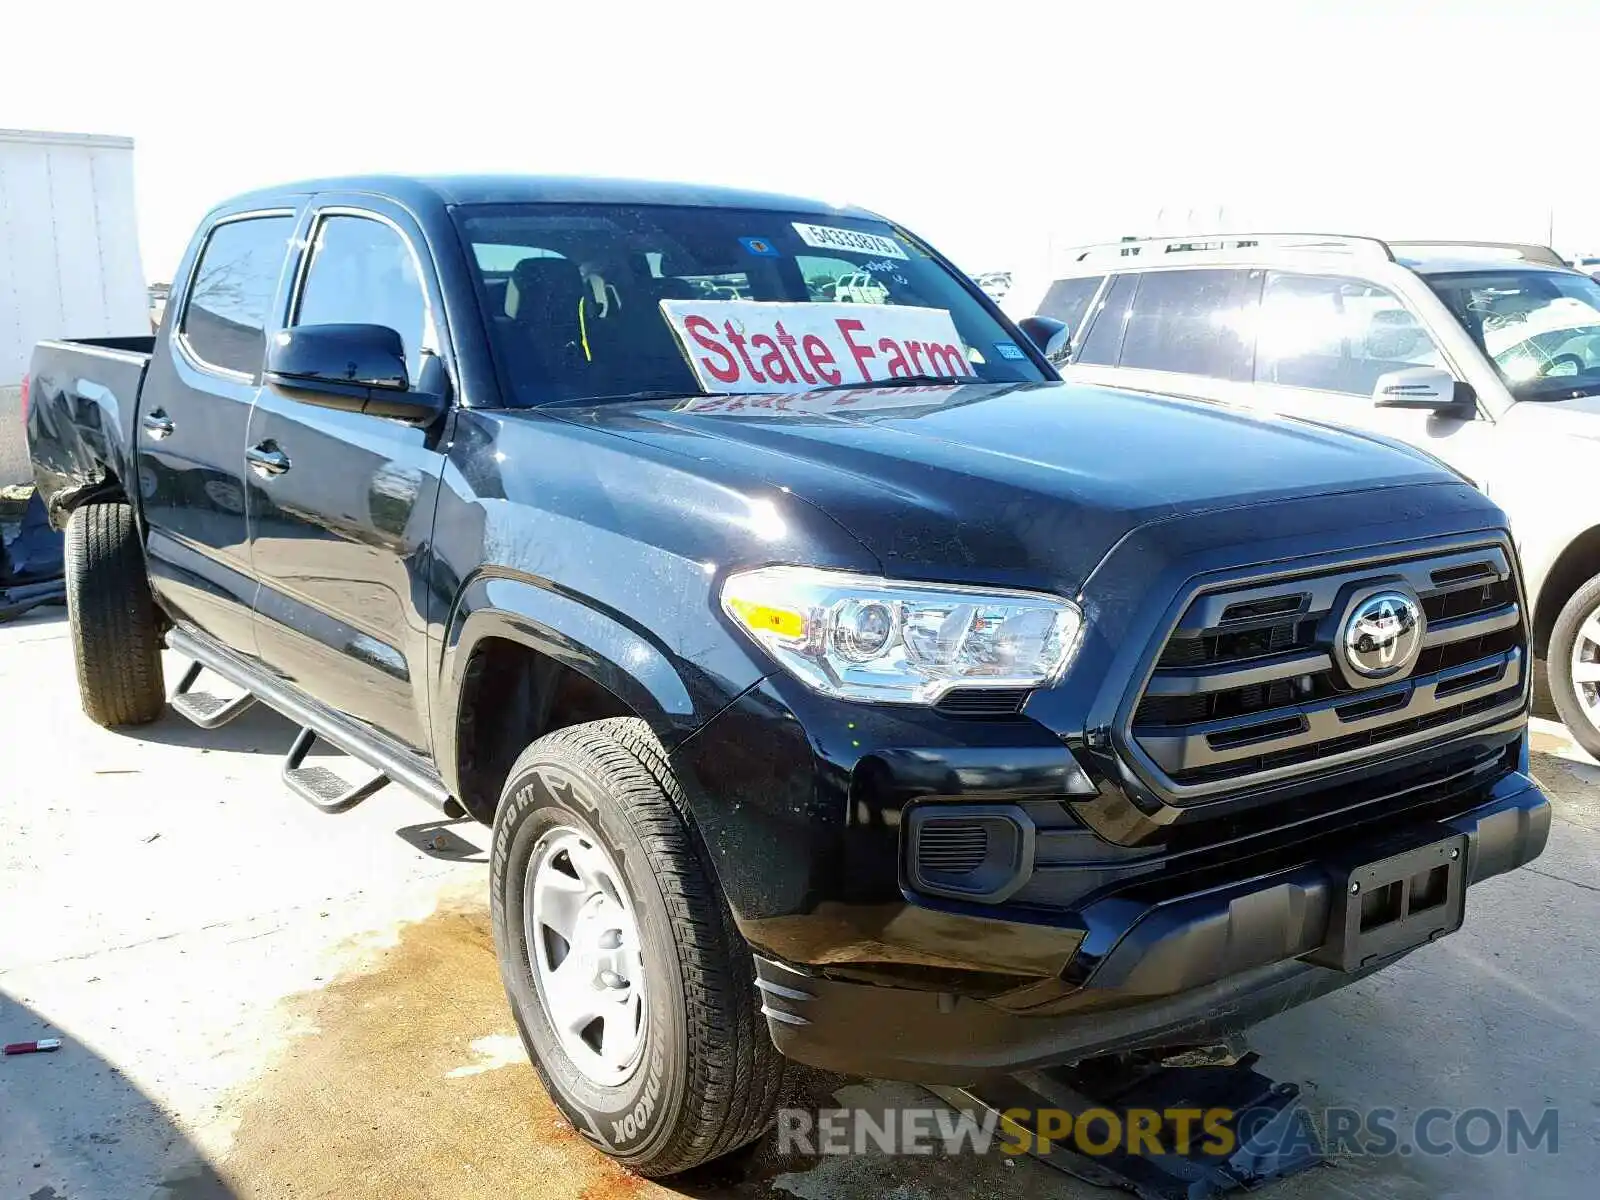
column 1220, row 1132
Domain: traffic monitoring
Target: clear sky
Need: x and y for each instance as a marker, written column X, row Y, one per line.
column 993, row 129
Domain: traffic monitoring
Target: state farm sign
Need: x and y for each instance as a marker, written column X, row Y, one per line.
column 754, row 346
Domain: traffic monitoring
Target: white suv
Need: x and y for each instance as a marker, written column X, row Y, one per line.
column 1487, row 355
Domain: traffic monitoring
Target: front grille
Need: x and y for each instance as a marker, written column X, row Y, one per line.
column 1246, row 690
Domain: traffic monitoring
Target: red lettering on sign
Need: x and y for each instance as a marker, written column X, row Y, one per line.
column 738, row 344
column 772, row 359
column 847, row 326
column 946, row 360
column 897, row 364
column 786, row 340
column 698, row 328
column 821, row 357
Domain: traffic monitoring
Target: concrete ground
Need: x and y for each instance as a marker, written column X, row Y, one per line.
column 261, row 1001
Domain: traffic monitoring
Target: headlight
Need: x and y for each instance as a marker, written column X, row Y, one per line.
column 860, row 638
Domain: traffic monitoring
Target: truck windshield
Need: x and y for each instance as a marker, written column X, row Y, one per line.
column 1541, row 329
column 588, row 302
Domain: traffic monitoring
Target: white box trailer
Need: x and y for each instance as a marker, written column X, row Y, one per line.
column 69, row 258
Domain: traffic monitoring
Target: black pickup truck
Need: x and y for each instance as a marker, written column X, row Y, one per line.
column 836, row 680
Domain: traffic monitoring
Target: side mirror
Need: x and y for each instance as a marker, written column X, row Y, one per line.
column 1052, row 337
column 1428, row 388
column 418, row 405
column 356, row 368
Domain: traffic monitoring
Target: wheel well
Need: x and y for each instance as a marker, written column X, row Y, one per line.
column 1578, row 564
column 108, row 488
column 510, row 695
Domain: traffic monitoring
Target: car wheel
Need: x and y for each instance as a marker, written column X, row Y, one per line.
column 1573, row 664
column 630, row 985
column 116, row 630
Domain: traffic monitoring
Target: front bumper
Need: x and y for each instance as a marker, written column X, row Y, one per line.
column 1187, row 968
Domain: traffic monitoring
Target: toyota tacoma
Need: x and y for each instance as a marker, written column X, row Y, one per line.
column 840, row 685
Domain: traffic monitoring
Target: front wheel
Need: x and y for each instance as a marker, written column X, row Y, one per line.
column 632, row 990
column 1573, row 664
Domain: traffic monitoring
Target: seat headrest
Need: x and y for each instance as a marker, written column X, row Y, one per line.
column 542, row 287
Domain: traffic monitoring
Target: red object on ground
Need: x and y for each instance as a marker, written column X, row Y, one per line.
column 42, row 1046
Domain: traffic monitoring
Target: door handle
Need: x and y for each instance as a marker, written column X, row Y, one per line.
column 157, row 424
column 267, row 460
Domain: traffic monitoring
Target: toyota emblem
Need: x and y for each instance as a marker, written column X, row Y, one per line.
column 1382, row 635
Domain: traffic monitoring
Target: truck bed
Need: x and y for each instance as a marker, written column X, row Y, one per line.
column 83, row 395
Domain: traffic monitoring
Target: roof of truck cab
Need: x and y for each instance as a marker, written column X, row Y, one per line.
column 425, row 190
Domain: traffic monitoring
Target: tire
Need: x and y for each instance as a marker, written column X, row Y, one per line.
column 1568, row 641
column 707, row 1076
column 116, row 630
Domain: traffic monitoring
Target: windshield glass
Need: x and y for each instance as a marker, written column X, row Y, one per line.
column 598, row 301
column 1540, row 328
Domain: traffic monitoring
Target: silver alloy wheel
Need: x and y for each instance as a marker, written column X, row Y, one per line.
column 1585, row 667
column 588, row 965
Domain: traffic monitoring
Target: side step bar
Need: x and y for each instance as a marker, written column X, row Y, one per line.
column 392, row 762
column 320, row 787
column 202, row 708
column 1258, row 1130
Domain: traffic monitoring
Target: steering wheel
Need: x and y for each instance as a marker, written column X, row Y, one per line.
column 1552, row 368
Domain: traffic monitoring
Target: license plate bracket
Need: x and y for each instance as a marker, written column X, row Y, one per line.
column 1383, row 906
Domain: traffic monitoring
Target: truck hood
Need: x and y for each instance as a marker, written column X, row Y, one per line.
column 1032, row 482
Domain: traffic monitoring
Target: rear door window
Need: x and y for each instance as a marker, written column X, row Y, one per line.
column 1333, row 334
column 1068, row 301
column 1194, row 323
column 1103, row 343
column 225, row 316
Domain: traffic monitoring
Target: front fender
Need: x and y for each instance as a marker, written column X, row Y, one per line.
column 608, row 556
column 672, row 693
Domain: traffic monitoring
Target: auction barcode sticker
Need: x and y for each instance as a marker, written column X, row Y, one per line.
column 830, row 237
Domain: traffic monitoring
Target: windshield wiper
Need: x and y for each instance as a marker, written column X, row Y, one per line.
column 904, row 381
column 683, row 394
column 623, row 397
